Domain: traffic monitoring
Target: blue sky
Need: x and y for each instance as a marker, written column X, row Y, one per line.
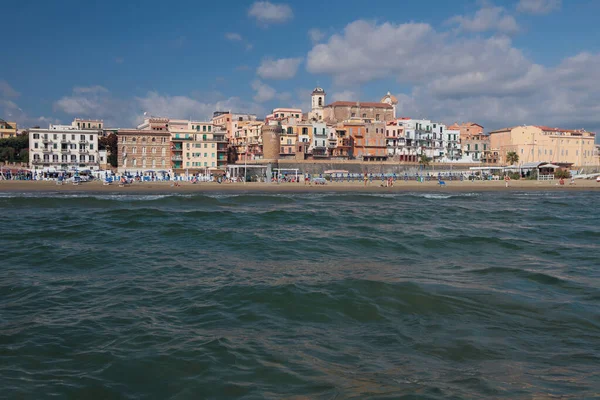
column 499, row 63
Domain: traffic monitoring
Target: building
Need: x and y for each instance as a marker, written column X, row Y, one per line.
column 542, row 143
column 343, row 147
column 372, row 144
column 391, row 100
column 317, row 104
column 319, row 135
column 467, row 129
column 451, row 144
column 7, row 129
column 143, row 150
column 279, row 114
column 230, row 121
column 87, row 123
column 197, row 146
column 339, row 111
column 63, row 148
column 247, row 140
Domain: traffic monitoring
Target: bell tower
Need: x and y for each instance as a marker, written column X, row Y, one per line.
column 317, row 104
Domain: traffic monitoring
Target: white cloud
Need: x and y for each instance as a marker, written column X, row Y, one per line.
column 267, row 13
column 233, row 36
column 316, row 35
column 538, row 6
column 455, row 77
column 117, row 112
column 264, row 92
column 10, row 111
column 488, row 18
column 7, row 91
column 283, row 68
column 345, row 95
column 90, row 89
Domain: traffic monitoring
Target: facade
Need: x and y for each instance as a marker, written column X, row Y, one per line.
column 394, row 135
column 467, row 129
column 451, row 144
column 279, row 114
column 144, row 150
column 7, row 129
column 317, row 103
column 229, row 121
column 197, row 146
column 475, row 147
column 543, row 143
column 344, row 110
column 319, row 135
column 63, row 148
column 343, row 148
column 373, row 143
column 87, row 123
column 247, row 140
column 391, row 100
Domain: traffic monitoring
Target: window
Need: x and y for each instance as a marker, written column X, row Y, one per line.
column 164, row 151
column 134, row 162
column 143, row 163
column 36, row 135
column 91, row 146
column 35, row 145
column 209, row 128
column 163, row 163
column 55, row 136
column 364, row 116
column 376, row 117
column 133, row 150
column 353, row 115
column 204, row 128
column 82, row 137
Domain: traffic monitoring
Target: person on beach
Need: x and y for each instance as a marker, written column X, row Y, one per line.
column 507, row 180
column 366, row 178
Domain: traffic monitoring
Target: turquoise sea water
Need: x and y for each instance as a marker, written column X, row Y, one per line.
column 318, row 295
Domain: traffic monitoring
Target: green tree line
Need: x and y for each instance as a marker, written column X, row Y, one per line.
column 15, row 149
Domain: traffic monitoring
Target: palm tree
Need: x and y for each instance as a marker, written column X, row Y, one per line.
column 512, row 158
column 424, row 160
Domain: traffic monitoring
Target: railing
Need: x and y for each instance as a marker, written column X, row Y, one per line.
column 546, row 177
column 176, row 158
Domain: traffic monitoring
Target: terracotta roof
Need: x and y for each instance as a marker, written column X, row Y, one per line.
column 362, row 104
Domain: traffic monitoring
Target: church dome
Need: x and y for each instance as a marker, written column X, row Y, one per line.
column 389, row 99
column 318, row 90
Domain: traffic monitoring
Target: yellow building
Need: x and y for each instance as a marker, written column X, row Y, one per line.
column 7, row 129
column 197, row 146
column 541, row 143
column 248, row 139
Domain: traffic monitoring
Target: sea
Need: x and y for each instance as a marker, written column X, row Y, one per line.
column 300, row 295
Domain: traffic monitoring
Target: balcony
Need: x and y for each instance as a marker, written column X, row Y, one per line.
column 176, row 158
column 46, row 141
column 65, row 150
column 82, row 141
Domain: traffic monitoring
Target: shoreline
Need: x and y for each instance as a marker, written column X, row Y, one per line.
column 400, row 186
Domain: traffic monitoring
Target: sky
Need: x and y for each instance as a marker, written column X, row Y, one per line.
column 497, row 63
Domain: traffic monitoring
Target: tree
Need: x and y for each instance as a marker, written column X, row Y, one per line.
column 424, row 160
column 512, row 158
column 111, row 144
column 232, row 155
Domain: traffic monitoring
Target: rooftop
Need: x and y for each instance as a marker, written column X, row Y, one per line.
column 360, row 104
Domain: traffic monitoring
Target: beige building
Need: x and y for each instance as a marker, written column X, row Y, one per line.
column 197, row 146
column 229, row 121
column 144, row 150
column 7, row 129
column 80, row 123
column 542, row 143
column 247, row 140
column 340, row 111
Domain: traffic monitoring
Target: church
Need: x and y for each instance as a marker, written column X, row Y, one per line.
column 338, row 111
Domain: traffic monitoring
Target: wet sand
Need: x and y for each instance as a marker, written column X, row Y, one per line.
column 401, row 186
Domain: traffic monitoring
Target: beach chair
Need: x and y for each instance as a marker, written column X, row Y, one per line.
column 441, row 183
column 107, row 181
column 59, row 181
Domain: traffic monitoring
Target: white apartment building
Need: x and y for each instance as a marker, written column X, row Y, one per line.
column 63, row 147
column 452, row 151
column 318, row 145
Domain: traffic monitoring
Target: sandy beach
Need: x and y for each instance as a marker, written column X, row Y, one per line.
column 401, row 186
